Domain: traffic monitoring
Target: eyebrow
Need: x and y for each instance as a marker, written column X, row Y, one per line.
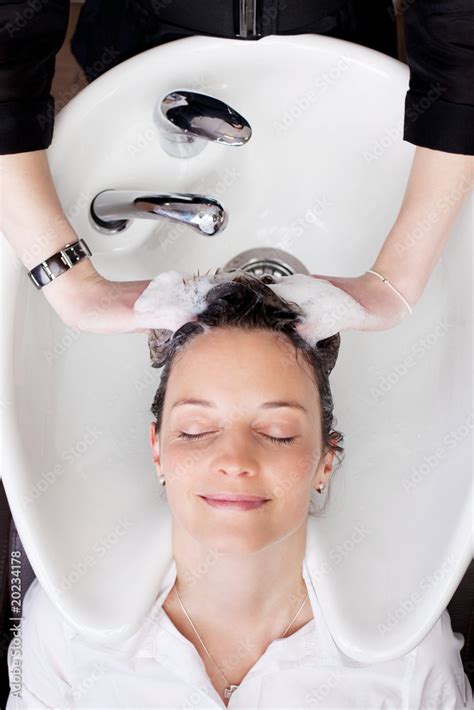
column 266, row 405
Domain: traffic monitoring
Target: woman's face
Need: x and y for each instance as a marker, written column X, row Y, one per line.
column 233, row 397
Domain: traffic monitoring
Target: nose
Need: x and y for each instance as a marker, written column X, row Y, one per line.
column 237, row 455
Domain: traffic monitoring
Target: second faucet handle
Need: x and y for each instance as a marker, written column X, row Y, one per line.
column 187, row 120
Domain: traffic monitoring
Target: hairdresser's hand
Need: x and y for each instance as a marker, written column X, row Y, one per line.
column 332, row 304
column 387, row 309
column 97, row 305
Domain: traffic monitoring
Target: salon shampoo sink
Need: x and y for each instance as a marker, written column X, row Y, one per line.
column 321, row 178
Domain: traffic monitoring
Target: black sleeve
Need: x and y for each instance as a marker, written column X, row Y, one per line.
column 31, row 34
column 439, row 45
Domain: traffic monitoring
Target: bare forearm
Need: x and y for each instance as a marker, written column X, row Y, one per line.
column 33, row 221
column 36, row 226
column 32, row 218
column 437, row 187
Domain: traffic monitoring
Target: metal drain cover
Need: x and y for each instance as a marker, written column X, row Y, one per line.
column 267, row 260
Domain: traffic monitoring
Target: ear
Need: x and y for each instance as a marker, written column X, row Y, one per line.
column 155, row 444
column 328, row 461
column 324, row 469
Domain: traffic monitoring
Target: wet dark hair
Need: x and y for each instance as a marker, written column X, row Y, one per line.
column 247, row 302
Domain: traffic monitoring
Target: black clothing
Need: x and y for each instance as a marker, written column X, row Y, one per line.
column 144, row 24
column 439, row 105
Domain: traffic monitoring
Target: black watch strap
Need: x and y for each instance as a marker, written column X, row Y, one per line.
column 57, row 264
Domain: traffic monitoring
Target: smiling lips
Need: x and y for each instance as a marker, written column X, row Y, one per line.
column 232, row 496
column 234, row 501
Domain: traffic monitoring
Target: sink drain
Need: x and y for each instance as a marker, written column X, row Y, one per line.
column 267, row 260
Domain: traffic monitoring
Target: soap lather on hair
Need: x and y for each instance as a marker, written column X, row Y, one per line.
column 173, row 299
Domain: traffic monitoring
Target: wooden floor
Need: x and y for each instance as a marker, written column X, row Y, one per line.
column 69, row 78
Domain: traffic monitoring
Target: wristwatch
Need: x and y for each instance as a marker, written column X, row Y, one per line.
column 57, row 264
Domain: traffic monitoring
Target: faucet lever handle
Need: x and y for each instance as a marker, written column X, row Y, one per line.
column 186, row 117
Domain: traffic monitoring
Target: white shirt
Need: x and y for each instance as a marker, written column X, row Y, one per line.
column 158, row 667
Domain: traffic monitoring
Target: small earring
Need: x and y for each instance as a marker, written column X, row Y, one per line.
column 162, row 480
column 321, row 488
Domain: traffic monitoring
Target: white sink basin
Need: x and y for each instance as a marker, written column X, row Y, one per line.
column 322, row 177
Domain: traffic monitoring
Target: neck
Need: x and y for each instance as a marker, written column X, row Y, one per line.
column 257, row 592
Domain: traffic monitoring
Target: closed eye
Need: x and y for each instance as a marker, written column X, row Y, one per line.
column 188, row 437
column 283, row 440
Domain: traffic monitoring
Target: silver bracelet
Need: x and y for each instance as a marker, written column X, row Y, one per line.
column 386, row 281
column 57, row 264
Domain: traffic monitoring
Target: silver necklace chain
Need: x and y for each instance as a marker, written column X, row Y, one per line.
column 230, row 686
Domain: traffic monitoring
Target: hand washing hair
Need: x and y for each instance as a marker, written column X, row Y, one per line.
column 247, row 302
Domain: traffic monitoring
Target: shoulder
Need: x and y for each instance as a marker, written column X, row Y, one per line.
column 438, row 678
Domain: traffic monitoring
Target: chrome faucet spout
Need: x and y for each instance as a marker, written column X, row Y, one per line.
column 112, row 210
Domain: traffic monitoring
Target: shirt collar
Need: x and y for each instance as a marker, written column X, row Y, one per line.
column 160, row 639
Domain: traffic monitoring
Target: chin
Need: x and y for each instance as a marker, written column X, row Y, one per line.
column 234, row 542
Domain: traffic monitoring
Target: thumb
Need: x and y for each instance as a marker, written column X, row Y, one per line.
column 325, row 277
